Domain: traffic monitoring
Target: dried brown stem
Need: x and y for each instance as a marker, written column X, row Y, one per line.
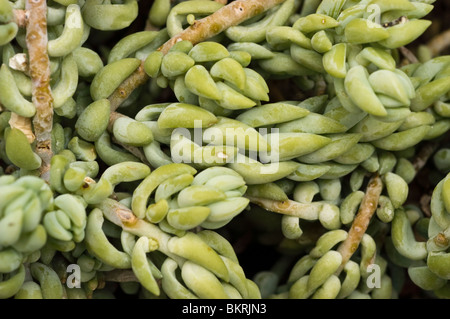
column 427, row 150
column 23, row 124
column 439, row 43
column 36, row 38
column 21, row 18
column 136, row 79
column 229, row 15
column 361, row 222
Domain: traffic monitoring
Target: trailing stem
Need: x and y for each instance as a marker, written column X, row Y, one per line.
column 229, row 15
column 361, row 222
column 123, row 217
column 289, row 207
column 36, row 38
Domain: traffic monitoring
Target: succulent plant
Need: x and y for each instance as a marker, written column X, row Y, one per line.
column 146, row 147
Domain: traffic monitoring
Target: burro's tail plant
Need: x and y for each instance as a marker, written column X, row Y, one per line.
column 244, row 149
